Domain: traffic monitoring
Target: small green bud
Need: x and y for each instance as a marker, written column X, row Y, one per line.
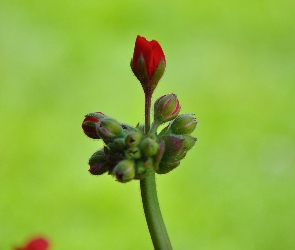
column 124, row 171
column 109, row 129
column 142, row 168
column 166, row 108
column 133, row 139
column 117, row 145
column 149, row 147
column 97, row 162
column 133, row 153
column 183, row 124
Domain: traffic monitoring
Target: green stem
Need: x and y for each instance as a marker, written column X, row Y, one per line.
column 149, row 197
column 147, row 110
column 153, row 128
column 153, row 214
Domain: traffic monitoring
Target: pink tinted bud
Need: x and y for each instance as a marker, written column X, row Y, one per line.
column 97, row 163
column 166, row 108
column 90, row 122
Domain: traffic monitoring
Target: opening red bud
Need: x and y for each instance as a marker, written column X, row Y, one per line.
column 148, row 63
column 90, row 122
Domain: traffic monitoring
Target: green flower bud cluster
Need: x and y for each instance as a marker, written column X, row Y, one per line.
column 128, row 154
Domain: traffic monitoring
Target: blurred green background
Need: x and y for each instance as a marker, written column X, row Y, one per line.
column 232, row 63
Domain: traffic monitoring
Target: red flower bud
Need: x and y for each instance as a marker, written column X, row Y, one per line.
column 166, row 108
column 90, row 122
column 148, row 63
column 35, row 244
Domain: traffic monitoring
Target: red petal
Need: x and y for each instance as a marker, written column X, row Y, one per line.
column 158, row 55
column 142, row 46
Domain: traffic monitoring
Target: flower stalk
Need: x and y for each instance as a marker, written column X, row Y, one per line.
column 138, row 153
column 150, row 201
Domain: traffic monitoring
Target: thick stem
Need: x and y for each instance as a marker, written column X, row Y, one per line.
column 153, row 214
column 149, row 197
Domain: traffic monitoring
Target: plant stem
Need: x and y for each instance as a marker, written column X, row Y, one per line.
column 149, row 197
column 153, row 128
column 153, row 214
column 147, row 110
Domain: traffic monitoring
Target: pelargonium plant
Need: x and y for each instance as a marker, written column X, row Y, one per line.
column 139, row 152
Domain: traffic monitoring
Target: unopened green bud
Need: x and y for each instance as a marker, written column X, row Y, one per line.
column 117, row 145
column 124, row 171
column 142, row 168
column 183, row 124
column 109, row 128
column 166, row 108
column 133, row 153
column 149, row 147
column 133, row 139
column 98, row 164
